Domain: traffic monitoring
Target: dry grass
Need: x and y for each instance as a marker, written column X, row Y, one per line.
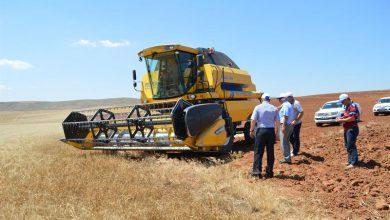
column 43, row 178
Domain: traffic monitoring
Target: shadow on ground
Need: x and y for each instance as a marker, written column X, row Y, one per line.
column 371, row 164
column 313, row 157
column 205, row 158
column 291, row 177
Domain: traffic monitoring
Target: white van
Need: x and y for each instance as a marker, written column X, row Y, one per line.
column 382, row 106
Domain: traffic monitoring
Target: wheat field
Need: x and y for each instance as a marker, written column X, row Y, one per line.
column 40, row 177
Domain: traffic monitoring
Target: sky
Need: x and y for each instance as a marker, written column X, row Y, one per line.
column 65, row 50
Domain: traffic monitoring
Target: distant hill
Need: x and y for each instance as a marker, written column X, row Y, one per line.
column 73, row 104
column 373, row 96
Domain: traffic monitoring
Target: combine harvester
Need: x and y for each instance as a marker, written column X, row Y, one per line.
column 192, row 100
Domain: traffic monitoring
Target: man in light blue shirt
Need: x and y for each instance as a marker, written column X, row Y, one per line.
column 297, row 123
column 264, row 118
column 286, row 116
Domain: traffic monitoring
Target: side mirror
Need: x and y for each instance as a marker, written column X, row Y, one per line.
column 134, row 75
column 199, row 60
column 134, row 80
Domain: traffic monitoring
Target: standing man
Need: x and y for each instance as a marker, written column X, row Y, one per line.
column 351, row 130
column 296, row 123
column 286, row 117
column 264, row 118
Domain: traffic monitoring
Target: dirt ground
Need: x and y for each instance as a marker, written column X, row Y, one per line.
column 318, row 173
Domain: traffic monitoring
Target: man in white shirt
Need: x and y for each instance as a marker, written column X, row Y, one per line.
column 264, row 118
column 296, row 123
column 286, row 116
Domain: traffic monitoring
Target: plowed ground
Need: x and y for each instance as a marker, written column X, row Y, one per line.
column 318, row 173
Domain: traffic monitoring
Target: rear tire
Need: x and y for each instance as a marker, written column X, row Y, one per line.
column 318, row 124
column 248, row 138
column 376, row 113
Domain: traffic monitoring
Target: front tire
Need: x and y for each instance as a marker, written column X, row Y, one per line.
column 376, row 113
column 229, row 145
column 318, row 124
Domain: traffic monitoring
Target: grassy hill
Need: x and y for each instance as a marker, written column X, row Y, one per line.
column 73, row 104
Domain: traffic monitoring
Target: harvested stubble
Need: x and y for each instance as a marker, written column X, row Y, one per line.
column 41, row 177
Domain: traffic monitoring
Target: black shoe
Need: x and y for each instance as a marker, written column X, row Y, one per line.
column 269, row 175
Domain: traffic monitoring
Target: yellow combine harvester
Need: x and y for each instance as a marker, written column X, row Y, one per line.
column 192, row 99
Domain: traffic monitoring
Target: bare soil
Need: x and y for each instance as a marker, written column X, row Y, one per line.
column 318, row 174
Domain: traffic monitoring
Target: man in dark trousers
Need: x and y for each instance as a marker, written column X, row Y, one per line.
column 296, row 123
column 264, row 118
column 351, row 130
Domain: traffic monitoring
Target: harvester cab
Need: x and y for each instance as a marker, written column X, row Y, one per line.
column 191, row 99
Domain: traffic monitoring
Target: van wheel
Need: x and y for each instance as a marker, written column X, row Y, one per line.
column 318, row 124
column 376, row 113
